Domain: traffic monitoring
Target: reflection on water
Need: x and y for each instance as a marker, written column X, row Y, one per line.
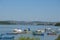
column 9, row 28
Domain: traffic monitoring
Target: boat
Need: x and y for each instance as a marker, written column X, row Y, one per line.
column 42, row 31
column 51, row 34
column 39, row 32
column 17, row 30
column 35, row 33
column 48, row 29
column 11, row 33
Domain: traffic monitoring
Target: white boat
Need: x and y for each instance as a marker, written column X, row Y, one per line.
column 48, row 28
column 42, row 31
column 17, row 31
column 39, row 32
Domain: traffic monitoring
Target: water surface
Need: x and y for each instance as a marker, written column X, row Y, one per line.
column 9, row 28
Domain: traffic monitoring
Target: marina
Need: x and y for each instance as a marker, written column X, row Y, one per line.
column 42, row 32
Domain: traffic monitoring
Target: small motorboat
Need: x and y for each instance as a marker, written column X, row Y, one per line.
column 17, row 30
column 42, row 31
column 48, row 29
column 11, row 33
column 39, row 32
column 51, row 34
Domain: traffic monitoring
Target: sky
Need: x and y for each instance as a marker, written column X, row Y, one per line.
column 30, row 10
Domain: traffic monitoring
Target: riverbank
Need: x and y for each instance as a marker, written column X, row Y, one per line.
column 26, row 23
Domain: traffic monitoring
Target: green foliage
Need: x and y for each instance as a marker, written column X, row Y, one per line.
column 58, row 38
column 57, row 24
column 28, row 38
column 6, row 22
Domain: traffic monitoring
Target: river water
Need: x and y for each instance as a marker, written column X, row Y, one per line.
column 9, row 28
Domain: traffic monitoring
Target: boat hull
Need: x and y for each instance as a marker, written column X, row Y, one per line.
column 51, row 34
column 39, row 34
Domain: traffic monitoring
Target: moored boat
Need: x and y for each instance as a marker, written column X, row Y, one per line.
column 39, row 32
column 51, row 34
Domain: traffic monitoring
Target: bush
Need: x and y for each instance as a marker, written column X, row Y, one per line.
column 28, row 38
column 57, row 24
column 58, row 38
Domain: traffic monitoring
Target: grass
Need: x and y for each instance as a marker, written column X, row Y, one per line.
column 28, row 38
column 58, row 38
